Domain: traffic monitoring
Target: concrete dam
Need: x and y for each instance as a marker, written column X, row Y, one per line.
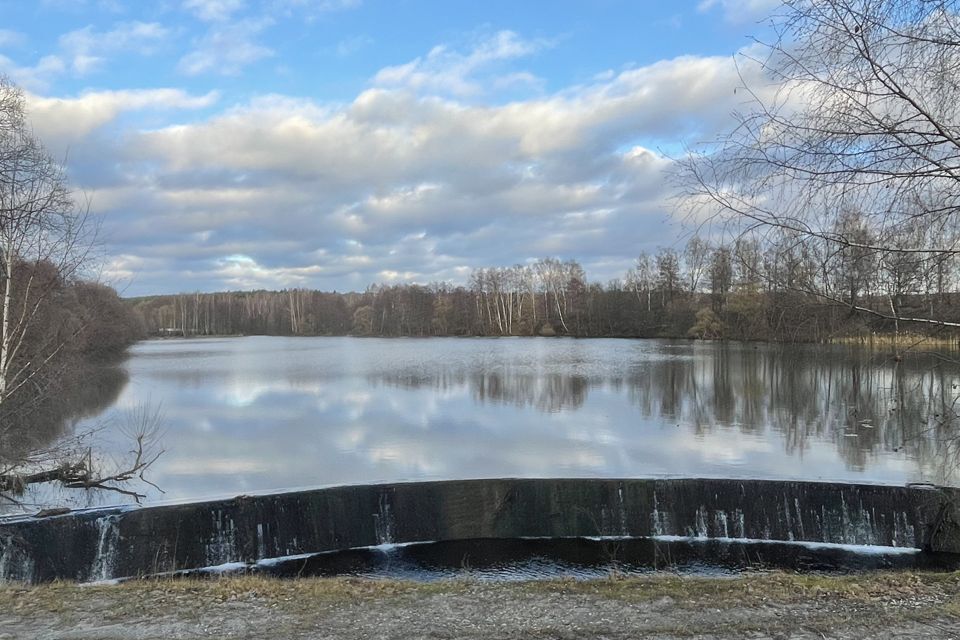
column 124, row 542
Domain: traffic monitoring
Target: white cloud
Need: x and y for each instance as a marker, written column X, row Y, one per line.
column 403, row 185
column 83, row 51
column 122, row 268
column 37, row 76
column 447, row 71
column 311, row 9
column 87, row 49
column 243, row 272
column 738, row 11
column 411, row 135
column 213, row 10
column 422, row 176
column 226, row 49
column 84, row 6
column 225, row 10
column 59, row 121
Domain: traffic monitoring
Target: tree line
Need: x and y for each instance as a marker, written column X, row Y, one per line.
column 739, row 290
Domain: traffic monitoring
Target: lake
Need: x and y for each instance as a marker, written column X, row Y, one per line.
column 258, row 414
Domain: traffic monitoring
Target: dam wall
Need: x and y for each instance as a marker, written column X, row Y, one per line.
column 106, row 544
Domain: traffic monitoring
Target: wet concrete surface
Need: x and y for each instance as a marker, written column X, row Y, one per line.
column 108, row 544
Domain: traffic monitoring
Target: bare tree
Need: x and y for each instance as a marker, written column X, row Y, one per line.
column 696, row 256
column 721, row 277
column 668, row 274
column 862, row 114
column 857, row 269
column 640, row 279
column 40, row 226
column 45, row 327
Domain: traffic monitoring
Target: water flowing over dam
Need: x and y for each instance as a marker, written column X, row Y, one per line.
column 105, row 544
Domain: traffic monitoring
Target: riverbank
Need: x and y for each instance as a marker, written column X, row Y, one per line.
column 776, row 605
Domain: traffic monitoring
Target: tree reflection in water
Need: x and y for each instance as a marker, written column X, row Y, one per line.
column 863, row 401
column 268, row 413
column 50, row 426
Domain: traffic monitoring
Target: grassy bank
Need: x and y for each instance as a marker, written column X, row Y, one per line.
column 920, row 605
column 901, row 342
column 748, row 589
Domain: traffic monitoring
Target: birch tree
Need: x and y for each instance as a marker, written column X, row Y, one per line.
column 640, row 279
column 40, row 225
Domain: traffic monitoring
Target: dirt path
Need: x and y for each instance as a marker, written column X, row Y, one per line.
column 901, row 605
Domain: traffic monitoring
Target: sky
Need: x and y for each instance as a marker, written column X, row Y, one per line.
column 331, row 144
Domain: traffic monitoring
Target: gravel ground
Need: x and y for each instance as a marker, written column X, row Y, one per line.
column 901, row 605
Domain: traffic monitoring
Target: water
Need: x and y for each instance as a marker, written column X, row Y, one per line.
column 258, row 414
column 507, row 560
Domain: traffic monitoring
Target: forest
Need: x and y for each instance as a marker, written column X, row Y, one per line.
column 737, row 291
column 78, row 324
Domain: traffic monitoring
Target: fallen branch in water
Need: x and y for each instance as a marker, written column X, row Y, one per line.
column 78, row 468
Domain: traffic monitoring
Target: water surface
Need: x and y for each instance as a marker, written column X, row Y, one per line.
column 258, row 414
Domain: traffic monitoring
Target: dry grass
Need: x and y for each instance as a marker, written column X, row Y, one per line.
column 746, row 590
column 901, row 342
column 756, row 589
column 919, row 604
column 156, row 594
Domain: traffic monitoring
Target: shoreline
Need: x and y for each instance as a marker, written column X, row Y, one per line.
column 923, row 605
column 878, row 342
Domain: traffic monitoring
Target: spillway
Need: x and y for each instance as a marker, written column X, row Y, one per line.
column 116, row 543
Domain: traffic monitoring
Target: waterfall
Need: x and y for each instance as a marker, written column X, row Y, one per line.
column 740, row 527
column 621, row 503
column 660, row 520
column 722, row 523
column 15, row 564
column 701, row 530
column 221, row 547
column 261, row 542
column 796, row 505
column 108, row 537
column 903, row 532
column 383, row 521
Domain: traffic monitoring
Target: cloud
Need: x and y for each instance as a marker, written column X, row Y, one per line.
column 84, row 6
column 226, row 49
column 36, row 77
column 411, row 135
column 444, row 70
column 232, row 41
column 400, row 184
column 62, row 121
column 225, row 10
column 82, row 51
column 739, row 11
column 213, row 10
column 122, row 268
column 311, row 9
column 350, row 46
column 87, row 48
column 9, row 38
column 243, row 272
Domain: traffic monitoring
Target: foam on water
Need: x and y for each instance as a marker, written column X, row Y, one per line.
column 860, row 549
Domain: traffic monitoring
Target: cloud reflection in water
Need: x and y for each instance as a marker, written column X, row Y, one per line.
column 259, row 414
